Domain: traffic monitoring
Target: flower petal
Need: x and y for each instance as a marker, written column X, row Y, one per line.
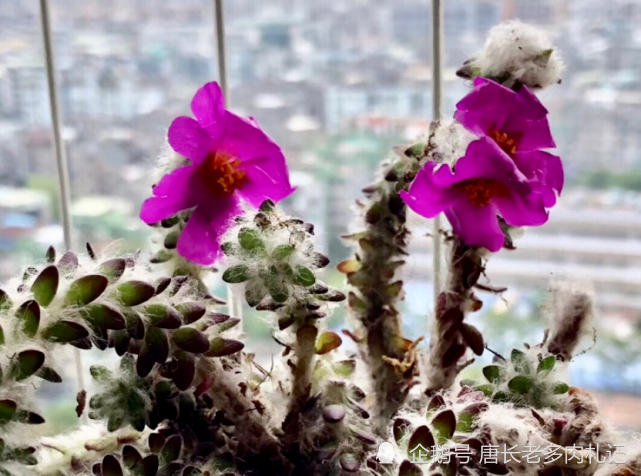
column 532, row 108
column 208, row 105
column 533, row 135
column 175, row 192
column 486, row 107
column 266, row 178
column 189, row 139
column 522, row 209
column 545, row 168
column 483, row 159
column 200, row 240
column 262, row 160
column 476, row 226
column 424, row 197
column 245, row 140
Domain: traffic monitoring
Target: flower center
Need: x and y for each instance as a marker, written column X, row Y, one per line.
column 504, row 141
column 480, row 191
column 222, row 174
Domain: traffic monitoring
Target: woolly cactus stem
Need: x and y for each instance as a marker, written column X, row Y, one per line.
column 571, row 320
column 451, row 337
column 255, row 444
column 372, row 272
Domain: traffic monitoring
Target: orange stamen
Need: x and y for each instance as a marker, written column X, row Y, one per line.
column 504, row 141
column 480, row 191
column 222, row 174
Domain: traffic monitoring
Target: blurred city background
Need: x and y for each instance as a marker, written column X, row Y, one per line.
column 336, row 84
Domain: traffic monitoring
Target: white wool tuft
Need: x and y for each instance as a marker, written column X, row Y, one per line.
column 168, row 160
column 448, row 142
column 570, row 314
column 523, row 51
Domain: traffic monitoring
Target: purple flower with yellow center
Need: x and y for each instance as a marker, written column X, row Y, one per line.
column 231, row 159
column 485, row 183
column 517, row 122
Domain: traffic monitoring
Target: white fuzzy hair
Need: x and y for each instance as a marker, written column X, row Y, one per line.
column 523, row 51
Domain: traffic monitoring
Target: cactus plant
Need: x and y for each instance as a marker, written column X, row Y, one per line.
column 188, row 399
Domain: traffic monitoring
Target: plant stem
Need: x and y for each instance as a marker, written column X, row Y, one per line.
column 450, row 337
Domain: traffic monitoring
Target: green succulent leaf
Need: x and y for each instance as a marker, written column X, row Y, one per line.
column 282, row 252
column 444, row 425
column 255, row 292
column 163, row 316
column 220, row 347
column 148, row 466
column 113, row 269
column 547, row 364
column 133, row 293
column 130, row 456
column 110, row 466
column 520, row 362
column 169, row 222
column 156, row 442
column 250, row 240
column 560, row 388
column 162, row 256
column 327, row 342
column 104, row 317
column 30, row 418
column 191, row 340
column 171, row 239
column 65, row 332
column 492, row 373
column 344, row 368
column 45, row 286
column 184, row 369
column 191, row 311
column 409, row 469
column 487, row 389
column 50, row 256
column 228, row 324
column 278, row 290
column 236, row 274
column 8, row 410
column 101, row 374
column 48, row 374
column 267, row 206
column 156, row 340
column 25, row 364
column 5, row 301
column 29, row 316
column 145, row 361
column 171, row 449
column 400, row 429
column 421, row 436
column 520, row 384
column 465, row 422
column 85, row 290
column 304, row 276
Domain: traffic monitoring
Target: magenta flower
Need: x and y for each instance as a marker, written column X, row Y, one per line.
column 517, row 122
column 231, row 158
column 485, row 183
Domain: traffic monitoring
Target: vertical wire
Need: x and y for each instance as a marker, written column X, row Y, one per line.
column 234, row 303
column 54, row 105
column 437, row 105
column 61, row 156
column 221, row 48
